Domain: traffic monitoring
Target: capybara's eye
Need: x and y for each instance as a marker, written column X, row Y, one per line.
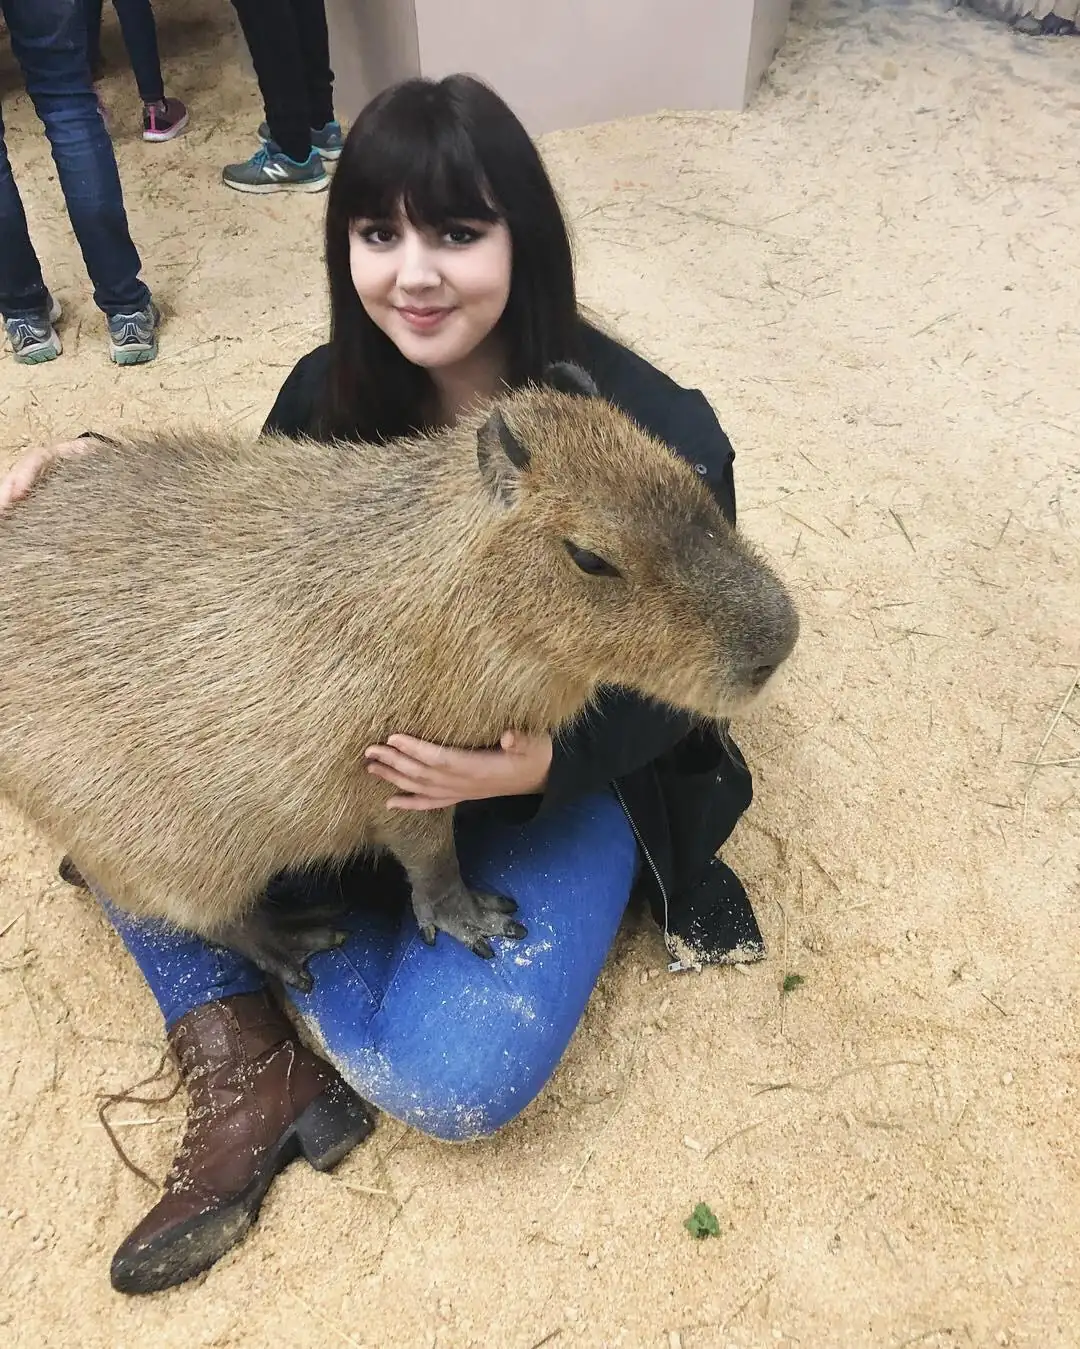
column 589, row 562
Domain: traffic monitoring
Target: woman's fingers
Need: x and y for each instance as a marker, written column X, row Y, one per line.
column 396, row 767
column 21, row 476
column 26, row 470
column 435, row 756
column 421, row 802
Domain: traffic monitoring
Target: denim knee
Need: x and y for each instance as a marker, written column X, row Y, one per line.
column 456, row 1046
column 450, row 1085
column 477, row 1096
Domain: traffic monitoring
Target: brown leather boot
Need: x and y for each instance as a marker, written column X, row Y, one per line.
column 258, row 1100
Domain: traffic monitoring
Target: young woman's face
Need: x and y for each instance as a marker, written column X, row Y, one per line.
column 436, row 295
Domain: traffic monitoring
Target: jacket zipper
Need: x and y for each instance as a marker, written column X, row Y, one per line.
column 675, row 965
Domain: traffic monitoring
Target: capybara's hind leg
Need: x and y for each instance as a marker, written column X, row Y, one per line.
column 441, row 900
column 311, row 897
column 281, row 951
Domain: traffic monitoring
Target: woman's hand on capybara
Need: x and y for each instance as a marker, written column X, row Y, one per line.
column 30, row 465
column 434, row 777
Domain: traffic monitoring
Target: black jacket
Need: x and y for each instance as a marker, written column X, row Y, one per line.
column 683, row 789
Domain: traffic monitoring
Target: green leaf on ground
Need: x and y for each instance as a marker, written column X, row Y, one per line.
column 702, row 1222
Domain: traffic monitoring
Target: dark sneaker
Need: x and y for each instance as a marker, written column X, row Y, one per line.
column 133, row 337
column 1051, row 26
column 162, row 121
column 328, row 140
column 35, row 340
column 270, row 170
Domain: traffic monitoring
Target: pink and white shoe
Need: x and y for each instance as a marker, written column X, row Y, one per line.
column 162, row 121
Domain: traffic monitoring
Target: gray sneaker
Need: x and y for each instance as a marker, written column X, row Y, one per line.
column 328, row 140
column 35, row 340
column 133, row 337
column 269, row 170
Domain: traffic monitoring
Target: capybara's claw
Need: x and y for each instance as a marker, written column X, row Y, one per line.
column 471, row 917
column 283, row 953
column 296, row 977
column 288, row 969
column 308, row 941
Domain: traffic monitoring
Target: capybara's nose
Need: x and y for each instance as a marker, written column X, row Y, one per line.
column 760, row 675
column 774, row 646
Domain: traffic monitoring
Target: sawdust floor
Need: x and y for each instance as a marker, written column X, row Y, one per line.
column 874, row 276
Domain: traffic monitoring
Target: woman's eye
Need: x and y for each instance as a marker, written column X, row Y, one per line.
column 459, row 235
column 376, row 234
column 591, row 562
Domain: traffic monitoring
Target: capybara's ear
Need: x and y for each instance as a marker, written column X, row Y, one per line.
column 565, row 377
column 502, row 457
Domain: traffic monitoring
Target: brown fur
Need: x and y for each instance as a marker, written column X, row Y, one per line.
column 200, row 636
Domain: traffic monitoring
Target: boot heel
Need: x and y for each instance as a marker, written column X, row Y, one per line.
column 332, row 1125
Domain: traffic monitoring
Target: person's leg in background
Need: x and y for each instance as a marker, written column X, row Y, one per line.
column 326, row 133
column 28, row 310
column 310, row 19
column 288, row 160
column 48, row 38
column 163, row 118
column 92, row 13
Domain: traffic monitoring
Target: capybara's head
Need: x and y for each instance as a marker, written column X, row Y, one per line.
column 634, row 576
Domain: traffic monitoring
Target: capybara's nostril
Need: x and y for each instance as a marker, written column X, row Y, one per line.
column 784, row 638
column 773, row 642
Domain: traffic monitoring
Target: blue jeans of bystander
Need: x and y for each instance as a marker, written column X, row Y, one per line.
column 48, row 38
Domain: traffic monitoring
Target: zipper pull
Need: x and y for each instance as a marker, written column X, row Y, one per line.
column 677, row 966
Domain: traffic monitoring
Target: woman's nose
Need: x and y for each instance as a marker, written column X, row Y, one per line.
column 417, row 270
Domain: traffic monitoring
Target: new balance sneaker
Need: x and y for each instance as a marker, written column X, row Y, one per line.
column 162, row 121
column 35, row 340
column 271, row 170
column 328, row 139
column 133, row 337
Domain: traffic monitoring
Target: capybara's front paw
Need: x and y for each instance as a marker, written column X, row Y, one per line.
column 471, row 916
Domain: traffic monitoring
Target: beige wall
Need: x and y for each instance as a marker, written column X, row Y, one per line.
column 373, row 43
column 591, row 60
column 766, row 35
column 562, row 63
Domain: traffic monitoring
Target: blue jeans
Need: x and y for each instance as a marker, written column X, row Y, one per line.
column 48, row 38
column 139, row 28
column 437, row 1037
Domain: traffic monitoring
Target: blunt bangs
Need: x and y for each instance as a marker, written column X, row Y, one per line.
column 421, row 159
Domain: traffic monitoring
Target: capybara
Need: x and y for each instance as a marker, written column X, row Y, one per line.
column 201, row 634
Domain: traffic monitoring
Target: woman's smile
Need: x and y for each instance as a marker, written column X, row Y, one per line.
column 424, row 318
